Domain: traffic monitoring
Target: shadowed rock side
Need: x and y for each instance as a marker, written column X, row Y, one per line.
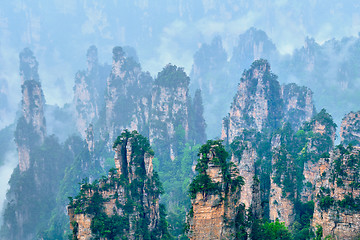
column 304, row 183
column 124, row 204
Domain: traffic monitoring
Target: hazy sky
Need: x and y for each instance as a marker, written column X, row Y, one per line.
column 60, row 31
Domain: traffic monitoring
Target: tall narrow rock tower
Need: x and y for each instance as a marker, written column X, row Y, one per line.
column 31, row 127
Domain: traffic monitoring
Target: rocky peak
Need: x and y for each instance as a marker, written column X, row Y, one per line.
column 31, row 127
column 209, row 57
column 261, row 104
column 118, row 55
column 257, row 103
column 127, row 95
column 213, row 192
column 28, row 66
column 252, row 45
column 350, row 129
column 170, row 107
column 128, row 148
column 124, row 204
column 323, row 124
column 209, row 73
column 86, row 95
column 92, row 59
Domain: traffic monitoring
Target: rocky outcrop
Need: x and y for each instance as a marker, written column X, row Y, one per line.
column 336, row 187
column 126, row 203
column 85, row 93
column 298, row 104
column 170, row 107
column 257, row 104
column 210, row 57
column 88, row 91
column 215, row 192
column 253, row 45
column 31, row 127
column 28, row 66
column 260, row 103
column 244, row 156
column 350, row 129
column 127, row 96
column 280, row 203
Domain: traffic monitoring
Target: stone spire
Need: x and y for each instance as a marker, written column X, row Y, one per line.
column 31, row 127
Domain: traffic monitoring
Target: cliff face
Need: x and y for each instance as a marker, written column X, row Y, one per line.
column 257, row 104
column 336, row 187
column 126, row 203
column 298, row 104
column 252, row 45
column 303, row 181
column 42, row 162
column 85, row 94
column 350, row 129
column 127, row 95
column 260, row 103
column 170, row 107
column 215, row 192
column 31, row 127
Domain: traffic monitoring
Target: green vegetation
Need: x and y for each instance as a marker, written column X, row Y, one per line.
column 128, row 190
column 270, row 231
column 36, row 189
column 213, row 152
column 172, row 77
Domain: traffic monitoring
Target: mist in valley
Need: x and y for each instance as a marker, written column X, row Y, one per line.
column 311, row 43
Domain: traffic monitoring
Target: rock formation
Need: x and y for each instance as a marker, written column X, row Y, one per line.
column 298, row 104
column 124, row 204
column 253, row 45
column 261, row 104
column 350, row 129
column 336, row 193
column 170, row 107
column 257, row 104
column 127, row 95
column 31, row 127
column 292, row 156
column 88, row 92
column 216, row 211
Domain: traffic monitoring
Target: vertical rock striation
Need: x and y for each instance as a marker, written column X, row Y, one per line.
column 261, row 104
column 31, row 127
column 127, row 96
column 88, row 91
column 298, row 104
column 257, row 103
column 216, row 211
column 126, row 203
column 170, row 107
column 336, row 187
